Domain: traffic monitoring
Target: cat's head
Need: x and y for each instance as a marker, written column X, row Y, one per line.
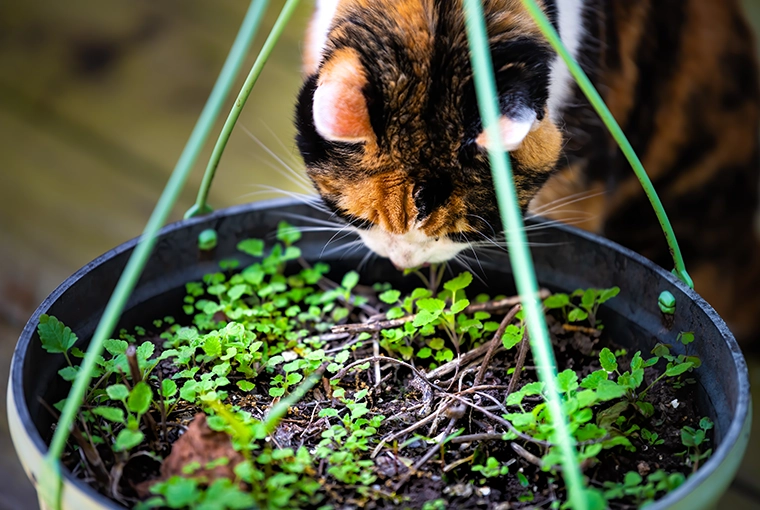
column 389, row 129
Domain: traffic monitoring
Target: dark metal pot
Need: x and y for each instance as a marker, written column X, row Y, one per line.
column 574, row 260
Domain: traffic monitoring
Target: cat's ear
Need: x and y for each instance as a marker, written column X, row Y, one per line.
column 513, row 130
column 340, row 108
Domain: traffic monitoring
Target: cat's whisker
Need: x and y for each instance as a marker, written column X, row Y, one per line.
column 333, row 238
column 474, row 253
column 351, row 249
column 306, row 186
column 562, row 202
column 553, row 223
column 293, row 174
column 464, row 261
column 340, row 247
column 369, row 256
column 315, row 221
column 289, row 152
column 493, row 231
column 309, row 199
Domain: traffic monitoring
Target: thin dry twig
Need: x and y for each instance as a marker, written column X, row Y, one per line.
column 452, row 365
column 376, row 354
column 418, row 375
column 428, row 455
column 525, row 454
column 502, row 421
column 411, row 428
column 524, row 344
column 486, row 436
column 583, row 329
column 495, row 342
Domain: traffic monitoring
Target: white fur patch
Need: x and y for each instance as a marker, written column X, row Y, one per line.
column 320, row 27
column 513, row 131
column 412, row 249
column 571, row 31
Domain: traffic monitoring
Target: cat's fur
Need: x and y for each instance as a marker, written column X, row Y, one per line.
column 389, row 129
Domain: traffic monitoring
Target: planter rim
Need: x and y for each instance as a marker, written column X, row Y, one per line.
column 720, row 454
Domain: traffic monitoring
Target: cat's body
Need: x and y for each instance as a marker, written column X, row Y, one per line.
column 390, row 134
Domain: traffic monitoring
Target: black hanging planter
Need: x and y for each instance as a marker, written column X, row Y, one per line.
column 578, row 260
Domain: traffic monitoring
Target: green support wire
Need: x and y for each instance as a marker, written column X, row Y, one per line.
column 617, row 133
column 201, row 203
column 519, row 255
column 50, row 483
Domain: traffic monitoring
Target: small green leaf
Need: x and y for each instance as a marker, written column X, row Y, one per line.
column 645, row 408
column 679, row 369
column 424, row 353
column 705, row 423
column 588, row 298
column 287, row 233
column 68, row 373
column 179, row 492
column 350, row 280
column 577, row 315
column 607, row 294
column 608, row 360
column 686, row 338
column 460, row 305
column 117, row 392
column 245, row 385
column 212, row 346
column 342, row 356
column 636, row 362
column 328, row 413
column 592, row 380
column 237, row 291
column 424, row 317
column 140, row 398
column 513, row 335
column 115, row 347
column 110, row 413
column 567, row 380
column 395, row 313
column 390, row 296
column 168, row 388
column 556, row 301
column 431, row 305
column 291, row 253
column 460, row 282
column 145, row 351
column 276, row 392
column 609, row 390
column 55, row 337
column 294, row 378
column 436, row 343
column 253, row 247
column 128, row 439
column 632, row 479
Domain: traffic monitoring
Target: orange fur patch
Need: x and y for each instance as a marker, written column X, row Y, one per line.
column 384, row 199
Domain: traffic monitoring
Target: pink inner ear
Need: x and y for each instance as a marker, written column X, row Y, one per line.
column 513, row 132
column 340, row 109
column 340, row 112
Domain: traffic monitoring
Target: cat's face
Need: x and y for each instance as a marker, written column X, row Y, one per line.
column 389, row 129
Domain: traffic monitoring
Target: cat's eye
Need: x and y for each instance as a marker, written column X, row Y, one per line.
column 437, row 239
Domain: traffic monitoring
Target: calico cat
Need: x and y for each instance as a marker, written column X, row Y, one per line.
column 389, row 130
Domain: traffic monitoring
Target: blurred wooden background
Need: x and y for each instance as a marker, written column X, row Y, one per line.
column 97, row 99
